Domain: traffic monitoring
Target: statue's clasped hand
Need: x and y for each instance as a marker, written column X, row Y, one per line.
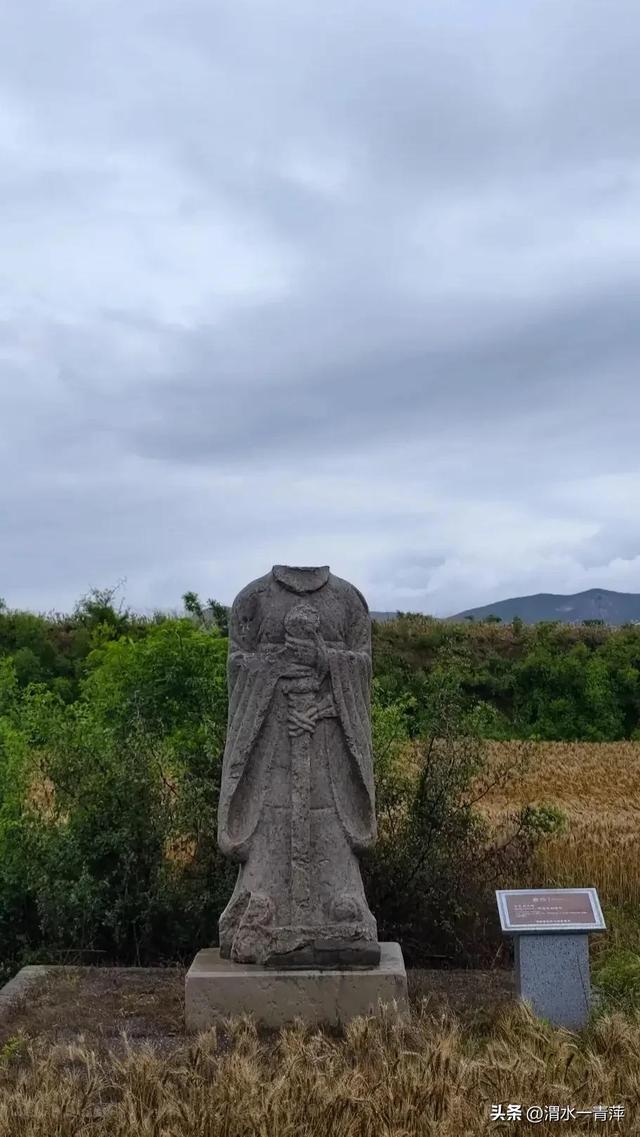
column 300, row 722
column 307, row 720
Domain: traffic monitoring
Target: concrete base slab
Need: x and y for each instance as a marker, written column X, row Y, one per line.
column 216, row 988
column 552, row 974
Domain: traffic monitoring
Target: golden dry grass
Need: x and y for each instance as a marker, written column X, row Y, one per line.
column 429, row 1077
column 597, row 786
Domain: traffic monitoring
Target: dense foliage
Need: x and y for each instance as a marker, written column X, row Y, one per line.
column 543, row 681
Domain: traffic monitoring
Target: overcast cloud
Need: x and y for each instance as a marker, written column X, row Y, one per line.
column 353, row 283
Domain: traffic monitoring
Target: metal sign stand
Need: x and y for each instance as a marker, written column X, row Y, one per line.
column 551, row 946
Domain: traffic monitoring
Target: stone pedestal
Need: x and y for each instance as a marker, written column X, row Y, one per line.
column 216, row 988
column 552, row 973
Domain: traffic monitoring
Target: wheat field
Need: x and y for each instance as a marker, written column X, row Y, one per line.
column 431, row 1076
column 597, row 786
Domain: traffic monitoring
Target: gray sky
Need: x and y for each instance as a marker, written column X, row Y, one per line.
column 352, row 283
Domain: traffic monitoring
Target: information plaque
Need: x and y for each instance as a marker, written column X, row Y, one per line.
column 545, row 910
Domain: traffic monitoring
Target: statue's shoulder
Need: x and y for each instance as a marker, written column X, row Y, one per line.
column 349, row 592
column 249, row 597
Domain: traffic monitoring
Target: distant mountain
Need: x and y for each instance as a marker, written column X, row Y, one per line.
column 613, row 608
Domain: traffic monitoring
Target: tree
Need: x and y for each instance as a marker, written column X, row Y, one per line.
column 97, row 608
column 192, row 605
column 220, row 615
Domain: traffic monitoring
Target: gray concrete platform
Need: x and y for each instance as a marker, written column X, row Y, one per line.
column 216, row 988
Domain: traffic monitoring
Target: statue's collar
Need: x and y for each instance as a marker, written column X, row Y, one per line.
column 301, row 579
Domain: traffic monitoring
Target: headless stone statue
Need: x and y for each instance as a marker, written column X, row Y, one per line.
column 297, row 799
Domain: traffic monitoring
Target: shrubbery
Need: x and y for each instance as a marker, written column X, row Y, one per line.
column 108, row 804
column 546, row 681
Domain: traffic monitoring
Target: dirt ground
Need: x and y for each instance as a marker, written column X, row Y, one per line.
column 98, row 1007
column 473, row 995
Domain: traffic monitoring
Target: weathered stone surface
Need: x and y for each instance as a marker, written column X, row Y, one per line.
column 217, row 988
column 329, row 954
column 552, row 974
column 18, row 987
column 297, row 798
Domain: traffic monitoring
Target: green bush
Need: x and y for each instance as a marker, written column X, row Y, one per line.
column 547, row 681
column 108, row 805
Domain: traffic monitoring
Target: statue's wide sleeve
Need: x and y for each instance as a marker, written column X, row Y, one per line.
column 251, row 682
column 350, row 671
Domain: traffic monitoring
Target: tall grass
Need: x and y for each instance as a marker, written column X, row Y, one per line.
column 432, row 1076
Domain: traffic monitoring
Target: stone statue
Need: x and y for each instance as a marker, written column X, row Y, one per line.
column 297, row 798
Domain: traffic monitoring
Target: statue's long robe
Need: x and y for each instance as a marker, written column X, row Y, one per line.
column 255, row 799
